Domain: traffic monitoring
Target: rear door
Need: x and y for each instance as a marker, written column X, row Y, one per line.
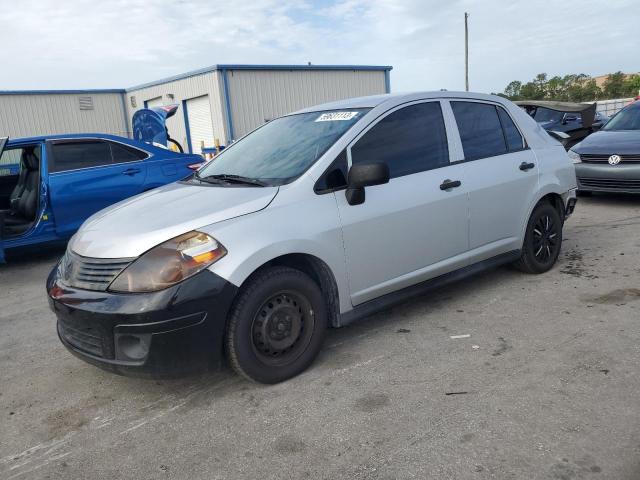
column 502, row 176
column 87, row 175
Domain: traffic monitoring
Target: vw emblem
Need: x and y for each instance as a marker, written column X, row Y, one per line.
column 614, row 159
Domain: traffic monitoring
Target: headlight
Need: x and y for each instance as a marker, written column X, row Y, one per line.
column 575, row 158
column 169, row 263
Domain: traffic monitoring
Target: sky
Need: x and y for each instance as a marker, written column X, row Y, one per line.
column 68, row 44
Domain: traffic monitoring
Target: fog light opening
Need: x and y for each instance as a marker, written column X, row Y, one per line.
column 133, row 347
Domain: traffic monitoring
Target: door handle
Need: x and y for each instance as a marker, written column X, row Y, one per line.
column 131, row 171
column 524, row 166
column 447, row 184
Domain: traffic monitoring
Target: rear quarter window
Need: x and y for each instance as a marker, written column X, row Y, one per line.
column 512, row 135
column 124, row 153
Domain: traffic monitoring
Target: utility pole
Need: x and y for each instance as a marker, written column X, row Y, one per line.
column 466, row 51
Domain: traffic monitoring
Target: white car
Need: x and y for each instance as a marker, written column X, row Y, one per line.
column 311, row 221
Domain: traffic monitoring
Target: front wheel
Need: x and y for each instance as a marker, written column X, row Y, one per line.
column 542, row 241
column 276, row 326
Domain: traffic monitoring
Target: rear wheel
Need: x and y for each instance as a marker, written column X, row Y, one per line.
column 276, row 326
column 542, row 242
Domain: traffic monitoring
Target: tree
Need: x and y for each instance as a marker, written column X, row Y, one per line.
column 631, row 85
column 590, row 91
column 512, row 90
column 572, row 87
column 614, row 85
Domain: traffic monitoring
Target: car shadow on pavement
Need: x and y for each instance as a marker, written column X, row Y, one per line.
column 611, row 199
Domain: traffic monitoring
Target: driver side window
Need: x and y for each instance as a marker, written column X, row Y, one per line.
column 410, row 140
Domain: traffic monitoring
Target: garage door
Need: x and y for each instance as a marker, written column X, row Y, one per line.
column 154, row 102
column 200, row 123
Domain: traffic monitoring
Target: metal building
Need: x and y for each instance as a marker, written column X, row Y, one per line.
column 217, row 104
column 46, row 112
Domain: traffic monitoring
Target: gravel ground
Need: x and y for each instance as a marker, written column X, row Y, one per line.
column 546, row 386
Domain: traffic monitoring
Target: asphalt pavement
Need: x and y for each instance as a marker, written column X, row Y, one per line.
column 542, row 384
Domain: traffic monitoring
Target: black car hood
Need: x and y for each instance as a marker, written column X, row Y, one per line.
column 610, row 142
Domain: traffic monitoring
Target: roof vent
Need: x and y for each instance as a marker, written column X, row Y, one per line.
column 86, row 103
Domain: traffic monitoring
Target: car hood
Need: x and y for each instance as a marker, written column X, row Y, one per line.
column 609, row 142
column 133, row 226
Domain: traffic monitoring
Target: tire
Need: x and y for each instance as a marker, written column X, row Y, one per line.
column 276, row 326
column 542, row 241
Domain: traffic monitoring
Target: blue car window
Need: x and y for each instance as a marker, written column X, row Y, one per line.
column 123, row 153
column 73, row 155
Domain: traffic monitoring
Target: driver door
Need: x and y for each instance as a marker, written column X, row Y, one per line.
column 409, row 229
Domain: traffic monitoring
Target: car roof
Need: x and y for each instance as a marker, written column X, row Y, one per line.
column 42, row 138
column 392, row 99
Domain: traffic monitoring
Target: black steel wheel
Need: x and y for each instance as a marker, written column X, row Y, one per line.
column 282, row 328
column 543, row 240
column 276, row 325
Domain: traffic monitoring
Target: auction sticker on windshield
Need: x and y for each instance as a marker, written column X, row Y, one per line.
column 336, row 116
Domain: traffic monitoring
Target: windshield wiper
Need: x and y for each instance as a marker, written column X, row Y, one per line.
column 224, row 177
column 207, row 179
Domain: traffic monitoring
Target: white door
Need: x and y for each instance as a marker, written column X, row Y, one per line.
column 410, row 228
column 155, row 102
column 200, row 123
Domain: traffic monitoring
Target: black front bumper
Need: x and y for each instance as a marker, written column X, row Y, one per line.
column 166, row 333
column 602, row 177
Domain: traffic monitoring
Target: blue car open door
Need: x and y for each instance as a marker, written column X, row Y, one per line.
column 3, row 142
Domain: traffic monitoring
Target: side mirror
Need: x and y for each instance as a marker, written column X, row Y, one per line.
column 364, row 175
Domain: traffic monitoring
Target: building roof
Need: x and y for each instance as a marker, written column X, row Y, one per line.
column 200, row 71
column 222, row 67
column 62, row 92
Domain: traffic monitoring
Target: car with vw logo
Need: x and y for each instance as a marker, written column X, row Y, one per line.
column 609, row 160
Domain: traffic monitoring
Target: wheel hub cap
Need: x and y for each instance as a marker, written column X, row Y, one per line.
column 278, row 325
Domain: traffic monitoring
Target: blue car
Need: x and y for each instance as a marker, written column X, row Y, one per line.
column 50, row 185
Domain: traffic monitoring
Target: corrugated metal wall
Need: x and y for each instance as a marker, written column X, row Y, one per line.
column 260, row 95
column 183, row 89
column 27, row 115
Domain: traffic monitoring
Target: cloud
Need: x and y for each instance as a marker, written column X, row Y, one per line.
column 118, row 43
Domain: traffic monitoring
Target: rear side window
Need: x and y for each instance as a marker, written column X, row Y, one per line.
column 410, row 140
column 75, row 155
column 123, row 153
column 514, row 140
column 480, row 129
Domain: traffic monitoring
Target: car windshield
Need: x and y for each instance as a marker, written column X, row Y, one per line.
column 626, row 119
column 284, row 148
column 542, row 115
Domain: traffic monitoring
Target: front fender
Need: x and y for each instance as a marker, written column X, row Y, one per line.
column 309, row 226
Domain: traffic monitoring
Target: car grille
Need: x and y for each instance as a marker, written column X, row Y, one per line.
column 590, row 158
column 90, row 273
column 610, row 184
column 87, row 335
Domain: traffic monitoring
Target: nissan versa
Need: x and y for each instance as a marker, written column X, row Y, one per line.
column 313, row 220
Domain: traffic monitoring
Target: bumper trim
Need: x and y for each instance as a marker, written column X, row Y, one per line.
column 157, row 334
